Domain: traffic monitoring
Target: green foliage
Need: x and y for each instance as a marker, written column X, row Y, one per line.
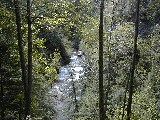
column 120, row 44
column 63, row 21
column 150, row 12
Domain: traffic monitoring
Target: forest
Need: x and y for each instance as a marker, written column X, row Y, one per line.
column 79, row 59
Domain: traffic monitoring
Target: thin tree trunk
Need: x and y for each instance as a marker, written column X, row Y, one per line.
column 2, row 95
column 20, row 110
column 21, row 49
column 133, row 62
column 101, row 90
column 28, row 105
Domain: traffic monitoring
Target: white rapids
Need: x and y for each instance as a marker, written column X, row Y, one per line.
column 67, row 91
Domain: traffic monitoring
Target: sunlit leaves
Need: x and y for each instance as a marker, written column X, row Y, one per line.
column 123, row 37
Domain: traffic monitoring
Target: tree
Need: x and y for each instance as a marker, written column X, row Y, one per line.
column 29, row 82
column 101, row 91
column 2, row 87
column 134, row 62
column 56, row 26
column 21, row 52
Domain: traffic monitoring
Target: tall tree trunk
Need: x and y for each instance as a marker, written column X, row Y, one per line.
column 28, row 104
column 133, row 62
column 21, row 49
column 101, row 90
column 2, row 94
column 20, row 110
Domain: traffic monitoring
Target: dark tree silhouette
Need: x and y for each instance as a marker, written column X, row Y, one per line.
column 134, row 62
column 28, row 103
column 21, row 49
column 2, row 92
column 27, row 80
column 101, row 90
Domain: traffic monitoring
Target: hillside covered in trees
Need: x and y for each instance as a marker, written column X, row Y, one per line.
column 117, row 40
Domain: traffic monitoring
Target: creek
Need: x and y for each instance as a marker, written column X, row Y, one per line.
column 67, row 91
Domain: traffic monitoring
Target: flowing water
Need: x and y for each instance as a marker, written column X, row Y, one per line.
column 67, row 91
